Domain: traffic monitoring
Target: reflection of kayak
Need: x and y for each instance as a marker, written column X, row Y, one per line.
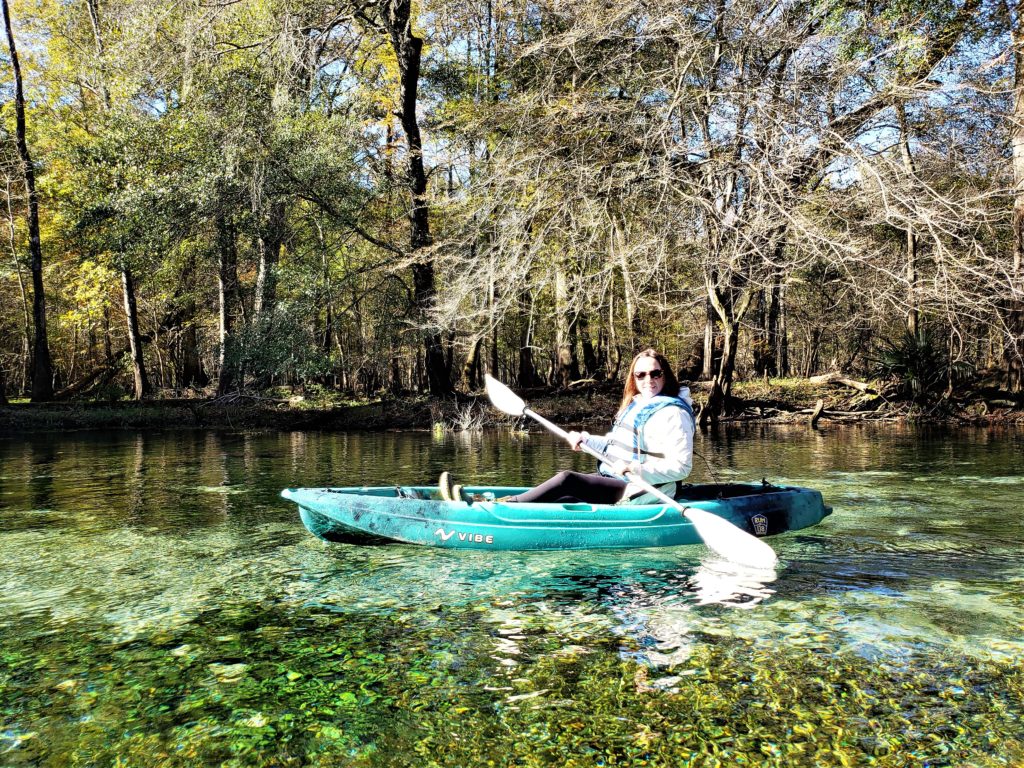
column 416, row 515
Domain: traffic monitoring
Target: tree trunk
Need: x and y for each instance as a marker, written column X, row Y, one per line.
column 3, row 388
column 708, row 370
column 811, row 359
column 26, row 313
column 772, row 320
column 396, row 376
column 1013, row 349
column 574, row 358
column 182, row 330
column 449, row 354
column 721, row 385
column 191, row 373
column 493, row 365
column 913, row 311
column 730, row 312
column 760, row 346
column 42, row 366
column 160, row 377
column 330, row 337
column 527, row 367
column 134, row 337
column 227, row 281
column 73, row 367
column 108, row 347
column 611, row 370
column 629, row 293
column 397, row 17
column 783, row 337
column 471, row 371
column 562, row 374
column 590, row 362
column 766, row 344
column 268, row 248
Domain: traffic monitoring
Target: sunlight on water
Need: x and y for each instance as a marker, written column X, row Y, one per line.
column 149, row 551
column 133, row 552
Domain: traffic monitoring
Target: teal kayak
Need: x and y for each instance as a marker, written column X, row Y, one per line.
column 417, row 515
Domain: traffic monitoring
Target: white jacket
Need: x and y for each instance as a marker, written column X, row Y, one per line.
column 665, row 449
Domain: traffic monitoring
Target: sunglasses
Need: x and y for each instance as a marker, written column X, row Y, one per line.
column 641, row 375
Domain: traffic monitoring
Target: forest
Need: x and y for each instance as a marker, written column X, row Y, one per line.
column 204, row 197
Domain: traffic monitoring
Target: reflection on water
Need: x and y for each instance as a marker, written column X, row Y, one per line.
column 150, row 549
column 720, row 582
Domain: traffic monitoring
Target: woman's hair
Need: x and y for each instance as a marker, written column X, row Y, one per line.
column 629, row 390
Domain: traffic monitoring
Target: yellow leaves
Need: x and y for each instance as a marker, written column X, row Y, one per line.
column 645, row 737
column 844, row 758
column 803, row 729
column 88, row 287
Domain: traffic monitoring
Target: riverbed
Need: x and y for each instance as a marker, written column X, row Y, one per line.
column 162, row 605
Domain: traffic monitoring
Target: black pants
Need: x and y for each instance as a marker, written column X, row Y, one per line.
column 567, row 487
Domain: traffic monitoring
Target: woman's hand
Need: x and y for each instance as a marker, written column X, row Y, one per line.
column 576, row 439
column 622, row 468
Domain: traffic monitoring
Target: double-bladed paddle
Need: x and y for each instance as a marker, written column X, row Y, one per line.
column 718, row 533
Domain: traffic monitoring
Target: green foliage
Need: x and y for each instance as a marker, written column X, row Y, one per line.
column 278, row 346
column 568, row 146
column 921, row 365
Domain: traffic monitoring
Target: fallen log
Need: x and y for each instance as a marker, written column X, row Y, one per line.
column 1001, row 404
column 850, row 417
column 838, row 378
column 767, row 405
column 838, row 417
column 231, row 398
column 816, row 414
column 98, row 376
column 847, row 414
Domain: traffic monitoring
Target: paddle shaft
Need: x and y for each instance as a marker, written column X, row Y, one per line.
column 632, row 477
column 719, row 534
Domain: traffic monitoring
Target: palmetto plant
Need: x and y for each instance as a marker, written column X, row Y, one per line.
column 921, row 365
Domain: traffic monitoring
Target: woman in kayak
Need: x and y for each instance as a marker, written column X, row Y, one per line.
column 652, row 436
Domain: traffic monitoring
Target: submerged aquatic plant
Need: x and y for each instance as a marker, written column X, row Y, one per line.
column 272, row 685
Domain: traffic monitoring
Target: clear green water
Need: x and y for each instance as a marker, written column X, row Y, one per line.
column 161, row 605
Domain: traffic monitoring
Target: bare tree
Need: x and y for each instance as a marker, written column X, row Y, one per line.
column 705, row 141
column 1014, row 345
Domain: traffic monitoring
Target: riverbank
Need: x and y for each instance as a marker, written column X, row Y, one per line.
column 586, row 404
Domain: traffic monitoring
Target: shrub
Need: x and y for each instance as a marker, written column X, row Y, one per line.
column 921, row 365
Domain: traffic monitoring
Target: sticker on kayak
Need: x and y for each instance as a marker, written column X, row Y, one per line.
column 476, row 538
column 760, row 523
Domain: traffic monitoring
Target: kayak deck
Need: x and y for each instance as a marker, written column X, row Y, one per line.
column 416, row 515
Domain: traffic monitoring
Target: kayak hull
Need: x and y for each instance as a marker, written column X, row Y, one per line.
column 415, row 515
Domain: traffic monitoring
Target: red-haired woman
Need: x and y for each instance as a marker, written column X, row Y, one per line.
column 652, row 436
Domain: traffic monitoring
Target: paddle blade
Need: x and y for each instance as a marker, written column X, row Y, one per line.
column 731, row 542
column 503, row 398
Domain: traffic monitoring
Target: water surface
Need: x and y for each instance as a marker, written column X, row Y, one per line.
column 161, row 605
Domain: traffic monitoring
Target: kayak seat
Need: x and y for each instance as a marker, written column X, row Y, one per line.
column 407, row 492
column 716, row 491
